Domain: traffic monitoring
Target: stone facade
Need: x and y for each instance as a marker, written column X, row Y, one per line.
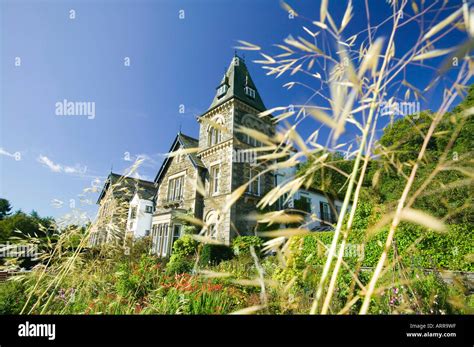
column 223, row 159
column 179, row 166
column 114, row 207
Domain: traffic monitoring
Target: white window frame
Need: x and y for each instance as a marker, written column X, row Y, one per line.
column 249, row 174
column 156, row 238
column 221, row 90
column 176, row 187
column 173, row 235
column 250, row 92
column 213, row 136
column 164, row 251
column 214, row 179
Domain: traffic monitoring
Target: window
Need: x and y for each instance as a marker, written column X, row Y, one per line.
column 212, row 222
column 252, row 141
column 176, row 234
column 325, row 212
column 252, row 175
column 149, row 209
column 222, row 90
column 214, row 179
column 303, row 204
column 213, row 136
column 164, row 250
column 160, row 240
column 250, row 92
column 133, row 212
column 156, row 238
column 212, row 231
column 147, row 232
column 171, row 189
column 175, row 188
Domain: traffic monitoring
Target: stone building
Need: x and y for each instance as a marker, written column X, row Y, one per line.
column 115, row 212
column 198, row 180
column 220, row 161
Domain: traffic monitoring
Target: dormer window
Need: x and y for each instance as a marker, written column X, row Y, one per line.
column 250, row 92
column 221, row 90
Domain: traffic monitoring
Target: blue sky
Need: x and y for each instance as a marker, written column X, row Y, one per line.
column 173, row 62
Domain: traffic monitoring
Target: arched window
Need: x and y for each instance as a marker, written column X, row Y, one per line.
column 213, row 133
column 212, row 222
column 213, row 136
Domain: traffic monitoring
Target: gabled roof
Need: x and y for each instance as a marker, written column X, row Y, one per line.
column 128, row 186
column 237, row 77
column 185, row 142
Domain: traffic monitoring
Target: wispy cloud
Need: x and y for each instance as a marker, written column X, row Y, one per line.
column 8, row 154
column 56, row 167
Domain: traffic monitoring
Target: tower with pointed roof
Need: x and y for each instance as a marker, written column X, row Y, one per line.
column 221, row 160
column 229, row 154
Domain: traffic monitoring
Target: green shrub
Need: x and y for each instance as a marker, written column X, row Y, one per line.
column 214, row 254
column 457, row 243
column 181, row 258
column 179, row 264
column 185, row 246
column 432, row 295
column 241, row 244
column 12, row 297
column 308, row 255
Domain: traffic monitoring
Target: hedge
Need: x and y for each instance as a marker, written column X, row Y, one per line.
column 450, row 250
column 241, row 244
column 214, row 254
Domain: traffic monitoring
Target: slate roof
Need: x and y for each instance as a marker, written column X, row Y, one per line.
column 186, row 142
column 190, row 142
column 128, row 186
column 237, row 77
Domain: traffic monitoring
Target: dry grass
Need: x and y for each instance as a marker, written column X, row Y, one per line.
column 353, row 79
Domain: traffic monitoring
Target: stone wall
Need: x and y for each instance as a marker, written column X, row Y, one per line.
column 222, row 113
column 178, row 165
column 221, row 155
column 111, row 221
column 246, row 205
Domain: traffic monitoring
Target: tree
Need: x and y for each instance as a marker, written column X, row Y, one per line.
column 5, row 208
column 399, row 148
column 20, row 223
column 330, row 177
